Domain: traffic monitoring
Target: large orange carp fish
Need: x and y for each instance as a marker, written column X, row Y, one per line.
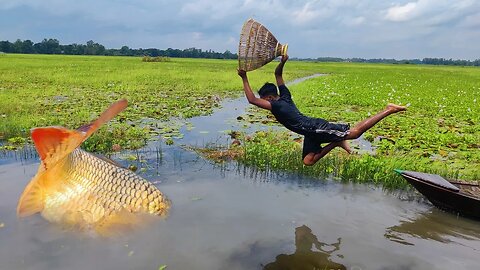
column 75, row 188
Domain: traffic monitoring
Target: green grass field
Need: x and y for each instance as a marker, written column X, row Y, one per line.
column 440, row 130
column 439, row 133
column 443, row 119
column 45, row 90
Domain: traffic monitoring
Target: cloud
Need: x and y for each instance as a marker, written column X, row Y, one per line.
column 345, row 28
column 431, row 12
column 472, row 21
column 306, row 14
column 400, row 13
column 354, row 21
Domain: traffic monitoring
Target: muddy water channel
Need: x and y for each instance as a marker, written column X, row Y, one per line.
column 230, row 217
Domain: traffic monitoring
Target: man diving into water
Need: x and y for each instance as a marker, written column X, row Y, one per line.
column 316, row 131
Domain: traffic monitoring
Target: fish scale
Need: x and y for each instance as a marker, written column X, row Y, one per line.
column 77, row 188
column 103, row 193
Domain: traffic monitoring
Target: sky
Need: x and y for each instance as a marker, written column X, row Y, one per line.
column 400, row 29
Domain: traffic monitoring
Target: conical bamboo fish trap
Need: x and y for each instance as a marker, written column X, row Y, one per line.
column 257, row 46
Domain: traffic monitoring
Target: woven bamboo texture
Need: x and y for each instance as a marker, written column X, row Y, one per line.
column 257, row 46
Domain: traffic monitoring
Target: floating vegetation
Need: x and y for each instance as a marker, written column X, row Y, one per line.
column 218, row 153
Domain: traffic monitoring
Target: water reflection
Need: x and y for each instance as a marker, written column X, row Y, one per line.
column 24, row 155
column 309, row 254
column 434, row 225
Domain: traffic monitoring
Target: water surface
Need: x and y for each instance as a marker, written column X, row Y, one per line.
column 231, row 217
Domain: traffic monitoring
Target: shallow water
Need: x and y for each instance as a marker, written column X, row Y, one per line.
column 230, row 217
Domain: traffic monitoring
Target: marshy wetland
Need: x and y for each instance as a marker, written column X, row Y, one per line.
column 263, row 210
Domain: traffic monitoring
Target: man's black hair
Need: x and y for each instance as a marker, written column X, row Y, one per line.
column 268, row 89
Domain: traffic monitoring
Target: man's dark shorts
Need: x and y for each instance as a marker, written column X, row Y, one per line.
column 330, row 132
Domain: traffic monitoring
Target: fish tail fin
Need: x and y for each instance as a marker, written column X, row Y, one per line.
column 118, row 223
column 31, row 200
column 54, row 143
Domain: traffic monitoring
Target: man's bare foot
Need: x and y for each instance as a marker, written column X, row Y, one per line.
column 346, row 146
column 394, row 108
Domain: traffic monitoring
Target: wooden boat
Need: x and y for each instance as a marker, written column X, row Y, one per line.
column 459, row 197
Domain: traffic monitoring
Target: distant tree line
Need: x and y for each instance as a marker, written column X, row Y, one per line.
column 53, row 46
column 426, row 61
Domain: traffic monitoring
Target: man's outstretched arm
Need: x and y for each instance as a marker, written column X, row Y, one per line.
column 252, row 99
column 279, row 70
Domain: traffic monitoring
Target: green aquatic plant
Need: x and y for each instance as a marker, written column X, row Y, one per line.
column 14, row 143
column 440, row 126
column 440, row 132
column 281, row 151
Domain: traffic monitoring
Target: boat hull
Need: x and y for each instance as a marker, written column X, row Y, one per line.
column 456, row 202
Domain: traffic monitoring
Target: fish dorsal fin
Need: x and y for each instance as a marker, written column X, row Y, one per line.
column 54, row 143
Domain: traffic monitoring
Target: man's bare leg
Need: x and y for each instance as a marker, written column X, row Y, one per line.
column 346, row 146
column 368, row 123
column 355, row 133
column 312, row 158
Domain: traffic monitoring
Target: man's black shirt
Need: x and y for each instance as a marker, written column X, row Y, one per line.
column 287, row 113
